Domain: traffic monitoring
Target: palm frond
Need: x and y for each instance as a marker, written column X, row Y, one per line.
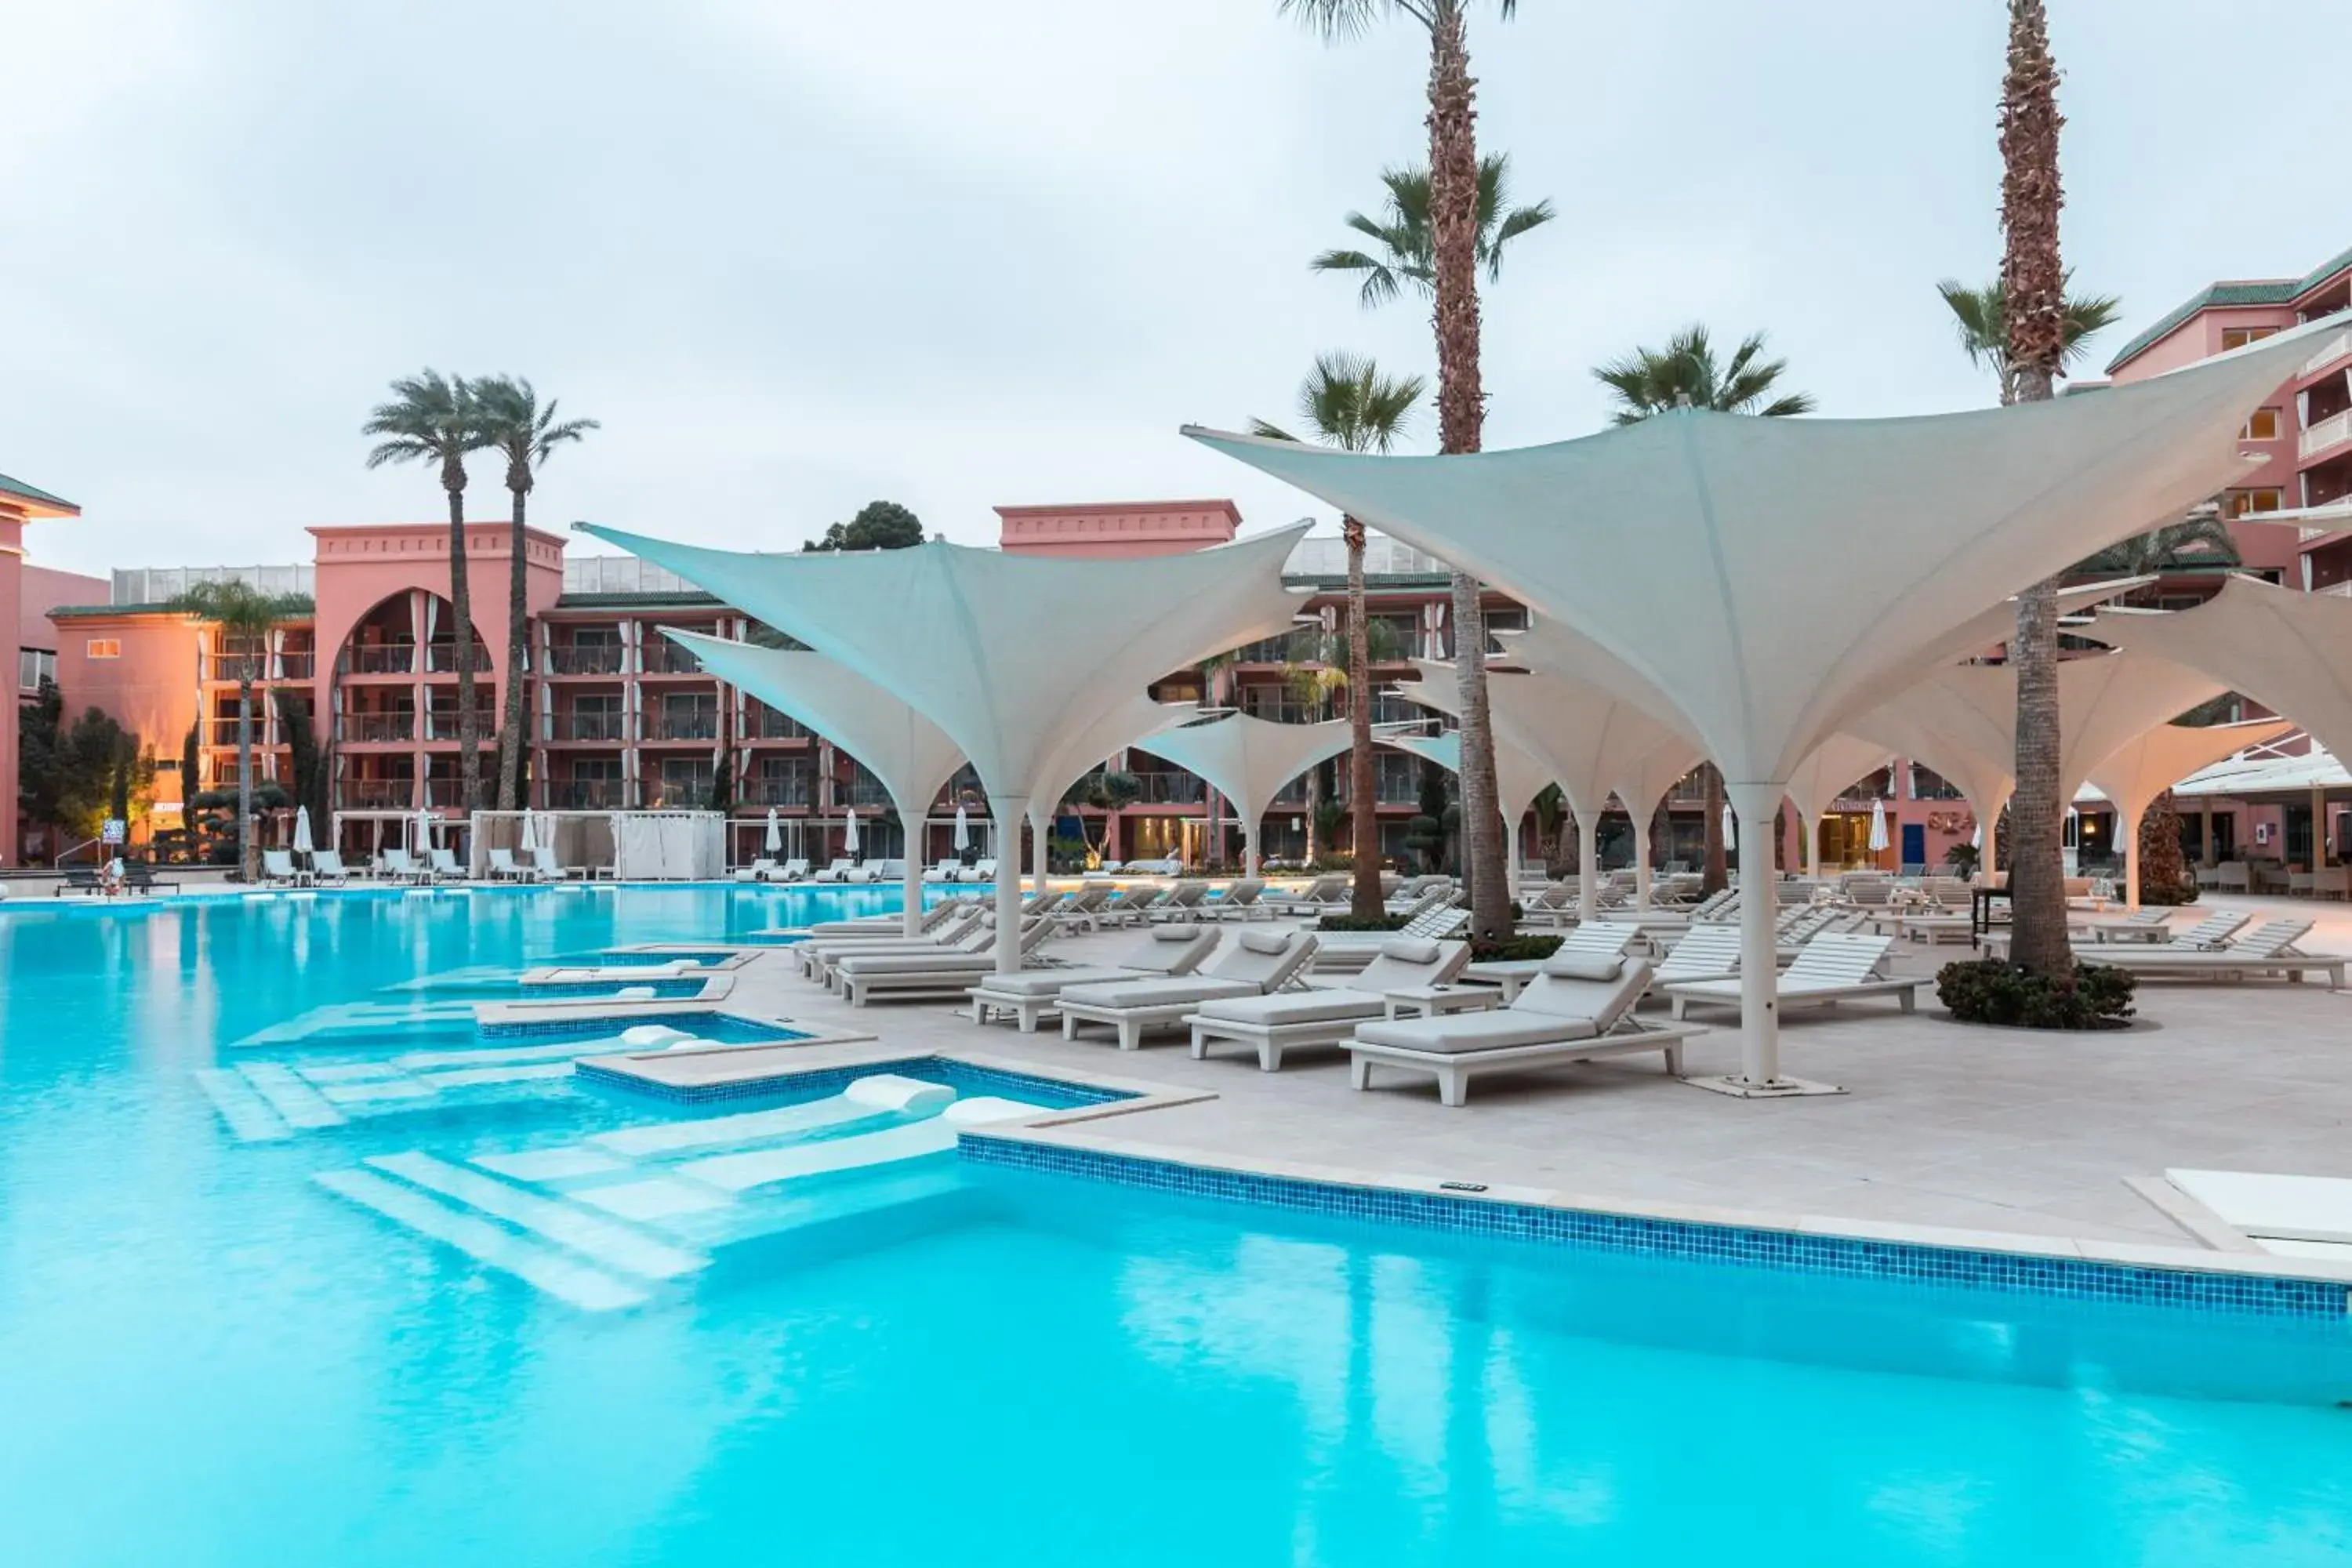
column 1272, row 432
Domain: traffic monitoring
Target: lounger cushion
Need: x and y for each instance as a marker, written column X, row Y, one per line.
column 1266, row 942
column 1583, row 966
column 1157, row 993
column 917, row 962
column 1295, row 1007
column 1409, row 950
column 1180, row 931
column 1464, row 1032
column 1052, row 982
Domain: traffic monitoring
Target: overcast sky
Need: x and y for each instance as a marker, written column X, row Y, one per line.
column 799, row 256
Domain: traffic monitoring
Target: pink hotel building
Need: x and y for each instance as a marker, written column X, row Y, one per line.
column 620, row 718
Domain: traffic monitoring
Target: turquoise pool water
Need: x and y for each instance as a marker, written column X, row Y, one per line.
column 213, row 1352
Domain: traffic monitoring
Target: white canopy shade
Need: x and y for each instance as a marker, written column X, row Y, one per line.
column 2267, row 774
column 1131, row 719
column 1878, row 839
column 1828, row 773
column 1688, row 546
column 849, row 831
column 1640, row 786
column 2153, row 761
column 1583, row 734
column 1012, row 656
column 529, row 841
column 911, row 756
column 2289, row 651
column 775, row 839
column 962, row 828
column 1248, row 759
column 1519, row 777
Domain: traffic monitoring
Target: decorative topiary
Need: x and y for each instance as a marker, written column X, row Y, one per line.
column 1364, row 922
column 1994, row 991
column 2164, row 875
column 1488, row 950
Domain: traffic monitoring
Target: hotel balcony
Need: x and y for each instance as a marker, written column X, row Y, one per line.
column 589, row 727
column 441, row 658
column 377, row 728
column 443, row 725
column 381, row 658
column 665, row 657
column 2325, row 436
column 587, row 795
column 595, row 658
column 376, row 794
column 682, row 726
column 229, row 669
column 778, row 792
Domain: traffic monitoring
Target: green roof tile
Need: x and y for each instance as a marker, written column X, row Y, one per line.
column 23, row 491
column 2221, row 296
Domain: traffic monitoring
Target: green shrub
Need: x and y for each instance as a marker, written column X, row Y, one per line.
column 1992, row 991
column 1487, row 951
column 1350, row 922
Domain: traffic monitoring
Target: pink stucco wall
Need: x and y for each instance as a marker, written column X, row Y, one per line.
column 1117, row 529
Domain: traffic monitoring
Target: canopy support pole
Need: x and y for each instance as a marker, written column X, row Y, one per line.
column 1807, row 831
column 1511, row 855
column 1587, row 863
column 1038, row 822
column 911, row 899
column 1759, row 1077
column 1641, row 864
column 2127, row 835
column 1250, row 827
column 1008, row 810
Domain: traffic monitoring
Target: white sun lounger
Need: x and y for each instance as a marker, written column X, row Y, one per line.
column 1257, row 962
column 1324, row 1015
column 327, row 866
column 763, row 869
column 2269, row 950
column 1577, row 1009
column 1163, row 953
column 1326, row 894
column 505, row 868
column 982, row 870
column 1239, row 902
column 1705, row 953
column 2148, row 923
column 1344, row 952
column 863, row 977
column 278, row 867
column 965, row 927
column 944, row 870
column 838, row 871
column 1182, row 902
column 1832, row 968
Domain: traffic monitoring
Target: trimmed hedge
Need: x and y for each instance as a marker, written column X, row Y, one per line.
column 1350, row 922
column 1993, row 991
column 1512, row 947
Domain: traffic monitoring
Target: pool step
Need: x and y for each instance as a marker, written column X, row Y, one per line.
column 667, row 1136
column 550, row 1270
column 302, row 1106
column 604, row 1241
column 246, row 1114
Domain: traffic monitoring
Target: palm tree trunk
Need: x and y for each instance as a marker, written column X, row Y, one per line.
column 1364, row 900
column 1461, row 419
column 248, row 849
column 2033, row 279
column 461, row 609
column 510, row 725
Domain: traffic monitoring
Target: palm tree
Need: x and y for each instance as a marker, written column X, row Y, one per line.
column 1405, row 255
column 433, row 419
column 1981, row 316
column 526, row 435
column 2200, row 539
column 1349, row 404
column 1461, row 392
column 244, row 616
column 1685, row 374
column 2033, row 284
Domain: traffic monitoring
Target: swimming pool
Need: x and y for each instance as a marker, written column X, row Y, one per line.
column 209, row 1356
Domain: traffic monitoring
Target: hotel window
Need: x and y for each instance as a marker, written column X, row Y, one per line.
column 2243, row 502
column 33, row 665
column 2238, row 337
column 103, row 648
column 2262, row 427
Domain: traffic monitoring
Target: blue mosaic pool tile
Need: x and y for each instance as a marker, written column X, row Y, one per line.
column 963, row 1077
column 726, row 1028
column 2081, row 1278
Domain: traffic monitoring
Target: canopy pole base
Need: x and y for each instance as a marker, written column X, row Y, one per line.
column 1737, row 1087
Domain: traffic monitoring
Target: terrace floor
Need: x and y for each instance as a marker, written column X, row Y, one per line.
column 1947, row 1126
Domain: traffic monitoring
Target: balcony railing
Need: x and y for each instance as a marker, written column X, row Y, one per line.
column 379, row 726
column 592, row 727
column 376, row 794
column 441, row 658
column 383, row 659
column 442, row 724
column 2334, row 349
column 667, row 658
column 222, row 731
column 682, row 726
column 865, row 794
column 588, row 794
column 771, row 725
column 2332, row 431
column 2341, row 590
column 786, row 790
column 586, row 658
